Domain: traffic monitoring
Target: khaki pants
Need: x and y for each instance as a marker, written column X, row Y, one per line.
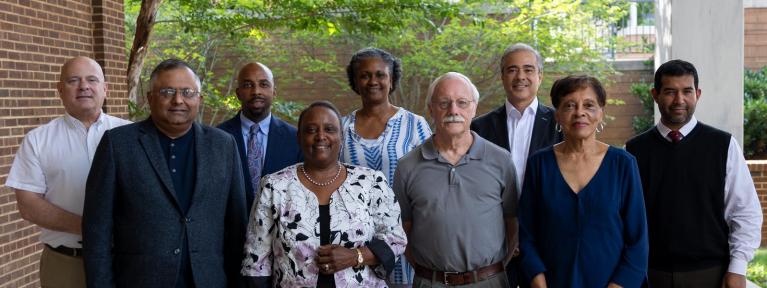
column 61, row 271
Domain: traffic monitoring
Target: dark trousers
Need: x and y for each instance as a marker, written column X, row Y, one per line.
column 704, row 278
column 514, row 274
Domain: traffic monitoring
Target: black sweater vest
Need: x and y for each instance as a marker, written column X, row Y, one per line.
column 683, row 187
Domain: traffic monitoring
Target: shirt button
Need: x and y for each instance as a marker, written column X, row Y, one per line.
column 172, row 156
column 177, row 251
column 173, row 170
column 172, row 145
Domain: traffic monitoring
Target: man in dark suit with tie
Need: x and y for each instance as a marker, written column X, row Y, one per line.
column 522, row 125
column 164, row 200
column 274, row 142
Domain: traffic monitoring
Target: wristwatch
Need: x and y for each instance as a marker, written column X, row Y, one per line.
column 360, row 259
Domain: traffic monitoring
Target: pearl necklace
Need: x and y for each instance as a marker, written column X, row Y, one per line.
column 338, row 173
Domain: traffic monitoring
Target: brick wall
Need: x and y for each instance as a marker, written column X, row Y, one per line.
column 36, row 37
column 758, row 170
column 755, row 41
column 619, row 128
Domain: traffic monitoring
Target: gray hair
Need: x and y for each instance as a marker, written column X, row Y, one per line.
column 522, row 47
column 449, row 75
column 172, row 64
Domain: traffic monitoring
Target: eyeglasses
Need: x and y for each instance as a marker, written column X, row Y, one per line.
column 188, row 93
column 462, row 103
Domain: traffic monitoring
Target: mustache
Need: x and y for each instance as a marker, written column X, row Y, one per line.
column 678, row 107
column 454, row 119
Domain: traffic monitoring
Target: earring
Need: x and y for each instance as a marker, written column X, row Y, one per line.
column 601, row 127
column 557, row 127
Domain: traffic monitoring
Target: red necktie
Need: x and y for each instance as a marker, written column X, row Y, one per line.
column 675, row 136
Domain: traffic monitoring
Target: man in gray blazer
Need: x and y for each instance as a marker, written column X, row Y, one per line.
column 165, row 200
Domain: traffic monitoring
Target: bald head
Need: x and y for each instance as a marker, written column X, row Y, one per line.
column 78, row 63
column 255, row 66
column 82, row 88
column 255, row 90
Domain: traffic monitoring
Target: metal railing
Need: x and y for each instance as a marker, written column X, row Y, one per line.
column 633, row 37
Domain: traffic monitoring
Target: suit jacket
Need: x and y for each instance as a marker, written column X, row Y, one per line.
column 492, row 126
column 281, row 149
column 133, row 226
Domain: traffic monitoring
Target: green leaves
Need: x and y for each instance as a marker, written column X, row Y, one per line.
column 309, row 41
column 755, row 113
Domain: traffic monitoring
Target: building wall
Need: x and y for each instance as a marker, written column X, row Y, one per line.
column 36, row 37
column 619, row 127
column 758, row 170
column 755, row 30
column 717, row 53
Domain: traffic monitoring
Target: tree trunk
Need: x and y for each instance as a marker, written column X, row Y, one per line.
column 144, row 24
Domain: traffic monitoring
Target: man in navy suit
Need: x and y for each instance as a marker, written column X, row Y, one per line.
column 165, row 200
column 522, row 125
column 276, row 138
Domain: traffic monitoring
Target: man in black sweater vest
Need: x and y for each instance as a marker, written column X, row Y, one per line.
column 703, row 214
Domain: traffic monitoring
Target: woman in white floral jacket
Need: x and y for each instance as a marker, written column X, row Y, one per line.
column 322, row 223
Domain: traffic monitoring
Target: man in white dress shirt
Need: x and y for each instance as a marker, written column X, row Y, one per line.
column 522, row 125
column 51, row 166
column 703, row 214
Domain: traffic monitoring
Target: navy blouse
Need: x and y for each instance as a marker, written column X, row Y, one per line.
column 588, row 239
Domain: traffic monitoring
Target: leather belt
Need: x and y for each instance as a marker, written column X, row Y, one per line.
column 74, row 252
column 459, row 278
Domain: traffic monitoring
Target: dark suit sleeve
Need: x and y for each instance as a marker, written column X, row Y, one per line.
column 236, row 217
column 97, row 223
column 477, row 126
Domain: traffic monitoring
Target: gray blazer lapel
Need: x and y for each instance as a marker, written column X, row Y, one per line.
column 151, row 144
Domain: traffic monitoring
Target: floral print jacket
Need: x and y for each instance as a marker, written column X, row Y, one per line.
column 284, row 230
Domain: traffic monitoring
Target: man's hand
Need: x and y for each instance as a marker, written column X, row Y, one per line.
column 539, row 281
column 733, row 280
column 613, row 285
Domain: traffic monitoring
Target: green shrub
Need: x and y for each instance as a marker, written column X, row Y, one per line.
column 755, row 113
column 757, row 269
column 645, row 121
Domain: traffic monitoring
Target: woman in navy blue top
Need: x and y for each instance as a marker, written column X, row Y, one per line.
column 582, row 216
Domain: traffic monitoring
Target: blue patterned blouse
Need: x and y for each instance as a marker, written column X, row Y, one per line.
column 404, row 131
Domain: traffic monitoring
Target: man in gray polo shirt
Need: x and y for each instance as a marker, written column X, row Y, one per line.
column 458, row 196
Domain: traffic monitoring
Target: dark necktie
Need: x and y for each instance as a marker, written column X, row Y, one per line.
column 255, row 157
column 675, row 136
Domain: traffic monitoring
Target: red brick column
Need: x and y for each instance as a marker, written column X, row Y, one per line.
column 109, row 51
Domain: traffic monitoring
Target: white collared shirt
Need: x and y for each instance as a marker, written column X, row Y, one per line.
column 742, row 211
column 54, row 160
column 263, row 135
column 520, row 131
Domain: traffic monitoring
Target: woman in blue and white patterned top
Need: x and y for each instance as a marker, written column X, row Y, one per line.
column 379, row 133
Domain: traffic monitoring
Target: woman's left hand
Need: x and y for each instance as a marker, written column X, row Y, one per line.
column 332, row 258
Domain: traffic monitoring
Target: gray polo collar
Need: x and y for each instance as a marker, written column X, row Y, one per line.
column 477, row 149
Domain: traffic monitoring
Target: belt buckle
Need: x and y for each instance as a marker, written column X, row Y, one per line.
column 446, row 274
